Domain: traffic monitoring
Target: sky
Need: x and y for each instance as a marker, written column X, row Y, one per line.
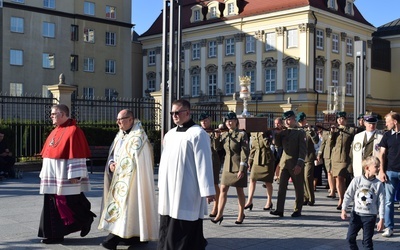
column 377, row 12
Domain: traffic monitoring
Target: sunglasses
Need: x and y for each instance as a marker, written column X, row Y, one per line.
column 177, row 112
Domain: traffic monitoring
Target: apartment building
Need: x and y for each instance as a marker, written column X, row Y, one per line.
column 292, row 48
column 88, row 41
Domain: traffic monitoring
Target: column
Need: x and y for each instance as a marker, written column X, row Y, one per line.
column 239, row 56
column 259, row 53
column 304, row 49
column 186, row 63
column 328, row 69
column 158, row 68
column 220, row 56
column 280, row 48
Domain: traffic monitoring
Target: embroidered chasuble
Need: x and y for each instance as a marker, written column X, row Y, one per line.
column 129, row 207
column 363, row 147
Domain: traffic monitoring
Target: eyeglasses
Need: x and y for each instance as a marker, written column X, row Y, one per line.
column 122, row 118
column 177, row 112
column 55, row 113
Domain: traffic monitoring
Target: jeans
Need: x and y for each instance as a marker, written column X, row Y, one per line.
column 367, row 223
column 390, row 189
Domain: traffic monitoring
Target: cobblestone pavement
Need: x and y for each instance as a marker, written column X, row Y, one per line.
column 320, row 227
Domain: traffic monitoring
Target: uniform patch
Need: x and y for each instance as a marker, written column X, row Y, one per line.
column 357, row 146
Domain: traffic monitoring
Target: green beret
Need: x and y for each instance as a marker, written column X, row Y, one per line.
column 287, row 114
column 231, row 116
column 341, row 114
column 361, row 116
column 203, row 116
column 301, row 116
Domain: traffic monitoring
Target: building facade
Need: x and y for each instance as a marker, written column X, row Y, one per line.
column 295, row 49
column 88, row 41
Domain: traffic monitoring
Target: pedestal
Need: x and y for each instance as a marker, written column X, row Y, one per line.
column 253, row 124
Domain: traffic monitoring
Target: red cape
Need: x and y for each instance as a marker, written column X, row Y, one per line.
column 70, row 142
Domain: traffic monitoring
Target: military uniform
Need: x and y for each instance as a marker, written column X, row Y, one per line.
column 311, row 139
column 293, row 143
column 261, row 158
column 340, row 157
column 236, row 146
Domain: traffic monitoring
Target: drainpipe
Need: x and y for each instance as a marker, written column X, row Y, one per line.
column 315, row 65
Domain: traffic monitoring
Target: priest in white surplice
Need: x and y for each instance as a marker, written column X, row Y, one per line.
column 185, row 182
column 365, row 144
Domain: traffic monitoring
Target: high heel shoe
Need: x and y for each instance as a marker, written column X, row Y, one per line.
column 249, row 206
column 240, row 222
column 212, row 215
column 219, row 220
column 268, row 208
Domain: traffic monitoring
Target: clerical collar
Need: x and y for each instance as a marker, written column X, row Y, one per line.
column 185, row 126
column 127, row 131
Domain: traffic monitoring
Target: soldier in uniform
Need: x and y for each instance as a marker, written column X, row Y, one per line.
column 361, row 123
column 293, row 142
column 324, row 153
column 234, row 173
column 205, row 123
column 365, row 144
column 311, row 139
column 341, row 162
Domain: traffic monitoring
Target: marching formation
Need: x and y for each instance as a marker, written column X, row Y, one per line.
column 199, row 164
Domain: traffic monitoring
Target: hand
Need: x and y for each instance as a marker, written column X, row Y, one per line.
column 382, row 176
column 210, row 198
column 297, row 170
column 343, row 215
column 380, row 225
column 240, row 175
column 75, row 180
column 113, row 166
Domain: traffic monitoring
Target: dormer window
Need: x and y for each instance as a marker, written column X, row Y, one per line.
column 213, row 10
column 231, row 8
column 332, row 4
column 349, row 10
column 197, row 16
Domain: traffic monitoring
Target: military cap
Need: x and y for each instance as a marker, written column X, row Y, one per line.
column 203, row 116
column 341, row 114
column 361, row 116
column 287, row 114
column 370, row 118
column 300, row 116
column 231, row 116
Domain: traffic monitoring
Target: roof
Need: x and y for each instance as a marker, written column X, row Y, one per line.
column 389, row 29
column 254, row 7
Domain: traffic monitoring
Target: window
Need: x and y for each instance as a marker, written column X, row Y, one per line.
column 213, row 12
column 349, row 8
column 335, row 77
column 196, row 51
column 48, row 61
column 88, row 8
column 110, row 38
column 152, row 57
column 320, row 39
column 88, row 35
column 212, row 49
column 51, row 4
column 230, row 47
column 251, row 74
column 212, row 84
column 270, row 41
column 349, row 83
column 88, row 64
column 270, row 80
column 49, row 29
column 319, row 79
column 250, row 44
column 197, row 15
column 231, row 9
column 88, row 93
column 16, row 57
column 110, row 12
column 74, row 62
column 16, row 89
column 291, row 78
column 349, row 46
column 292, row 38
column 229, row 83
column 110, row 66
column 195, row 85
column 17, row 24
column 110, row 94
column 332, row 4
column 335, row 43
column 74, row 32
column 151, row 85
